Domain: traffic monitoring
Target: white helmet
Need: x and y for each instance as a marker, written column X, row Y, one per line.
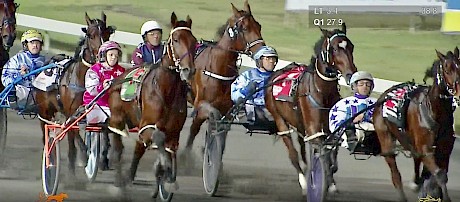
column 149, row 26
column 361, row 75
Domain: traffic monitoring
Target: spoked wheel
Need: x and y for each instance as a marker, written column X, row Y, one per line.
column 50, row 172
column 317, row 183
column 92, row 142
column 3, row 134
column 213, row 152
column 165, row 186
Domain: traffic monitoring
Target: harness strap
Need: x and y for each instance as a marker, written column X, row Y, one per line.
column 86, row 63
column 285, row 132
column 316, row 135
column 154, row 127
column 217, row 76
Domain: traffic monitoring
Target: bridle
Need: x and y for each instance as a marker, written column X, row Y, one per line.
column 237, row 29
column 326, row 55
column 171, row 52
column 8, row 22
column 440, row 80
column 88, row 45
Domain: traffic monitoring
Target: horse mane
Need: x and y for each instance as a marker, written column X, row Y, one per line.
column 318, row 45
column 221, row 31
column 80, row 44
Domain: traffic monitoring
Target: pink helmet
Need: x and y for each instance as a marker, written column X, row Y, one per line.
column 106, row 46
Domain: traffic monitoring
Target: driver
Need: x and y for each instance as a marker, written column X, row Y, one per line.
column 362, row 84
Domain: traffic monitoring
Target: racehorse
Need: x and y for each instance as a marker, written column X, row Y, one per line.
column 444, row 143
column 69, row 94
column 8, row 33
column 317, row 92
column 162, row 100
column 428, row 123
column 216, row 65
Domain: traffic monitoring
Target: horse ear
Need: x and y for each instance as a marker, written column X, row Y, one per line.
column 325, row 32
column 88, row 20
column 440, row 55
column 344, row 28
column 84, row 29
column 173, row 19
column 456, row 52
column 112, row 29
column 235, row 11
column 103, row 16
column 16, row 5
column 247, row 8
column 189, row 21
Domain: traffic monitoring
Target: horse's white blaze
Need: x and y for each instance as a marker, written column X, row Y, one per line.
column 343, row 44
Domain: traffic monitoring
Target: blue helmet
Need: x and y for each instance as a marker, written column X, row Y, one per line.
column 266, row 51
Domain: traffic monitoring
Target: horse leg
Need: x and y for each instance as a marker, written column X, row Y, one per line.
column 293, row 156
column 138, row 153
column 417, row 181
column 116, row 159
column 194, row 129
column 72, row 154
column 302, row 149
column 440, row 175
column 396, row 176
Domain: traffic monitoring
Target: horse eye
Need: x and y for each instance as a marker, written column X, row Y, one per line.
column 176, row 40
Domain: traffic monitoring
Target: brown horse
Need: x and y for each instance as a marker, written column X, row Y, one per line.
column 69, row 94
column 444, row 142
column 8, row 33
column 162, row 100
column 7, row 30
column 317, row 92
column 216, row 65
column 428, row 123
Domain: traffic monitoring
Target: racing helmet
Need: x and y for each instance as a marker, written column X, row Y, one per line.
column 361, row 75
column 106, row 46
column 266, row 51
column 149, row 26
column 31, row 35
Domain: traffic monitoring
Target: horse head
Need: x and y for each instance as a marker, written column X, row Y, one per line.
column 335, row 51
column 8, row 23
column 245, row 30
column 181, row 46
column 96, row 33
column 448, row 72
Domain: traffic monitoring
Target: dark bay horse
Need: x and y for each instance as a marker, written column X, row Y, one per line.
column 69, row 95
column 429, row 123
column 8, row 33
column 162, row 100
column 216, row 65
column 7, row 30
column 317, row 92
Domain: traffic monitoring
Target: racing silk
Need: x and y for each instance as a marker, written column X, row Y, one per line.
column 94, row 81
column 240, row 86
column 349, row 106
column 12, row 68
column 147, row 53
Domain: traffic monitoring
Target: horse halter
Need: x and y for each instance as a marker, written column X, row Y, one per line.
column 8, row 22
column 326, row 57
column 170, row 50
column 88, row 46
column 236, row 29
column 441, row 80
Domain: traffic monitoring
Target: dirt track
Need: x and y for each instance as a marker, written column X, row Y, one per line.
column 256, row 169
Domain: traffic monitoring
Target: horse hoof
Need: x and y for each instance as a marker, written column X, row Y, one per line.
column 302, row 181
column 332, row 189
column 115, row 191
column 414, row 186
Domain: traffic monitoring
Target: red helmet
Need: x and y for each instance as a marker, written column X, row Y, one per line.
column 106, row 46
